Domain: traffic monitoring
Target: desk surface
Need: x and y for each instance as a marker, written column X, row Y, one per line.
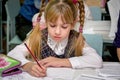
column 62, row 74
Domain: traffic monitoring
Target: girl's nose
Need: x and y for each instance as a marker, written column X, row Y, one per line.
column 57, row 30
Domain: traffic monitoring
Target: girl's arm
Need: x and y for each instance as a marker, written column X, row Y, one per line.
column 20, row 52
column 90, row 58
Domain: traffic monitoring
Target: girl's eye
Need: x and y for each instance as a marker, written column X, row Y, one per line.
column 64, row 27
column 52, row 25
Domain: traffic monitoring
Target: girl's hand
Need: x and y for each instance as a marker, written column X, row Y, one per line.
column 55, row 62
column 34, row 70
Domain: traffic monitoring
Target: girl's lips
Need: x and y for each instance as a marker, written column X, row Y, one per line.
column 57, row 37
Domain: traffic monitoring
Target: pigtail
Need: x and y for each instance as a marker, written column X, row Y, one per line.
column 80, row 41
column 35, row 37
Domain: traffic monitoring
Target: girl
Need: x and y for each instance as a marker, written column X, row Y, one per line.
column 58, row 45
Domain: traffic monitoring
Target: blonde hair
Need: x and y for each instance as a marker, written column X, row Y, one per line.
column 55, row 8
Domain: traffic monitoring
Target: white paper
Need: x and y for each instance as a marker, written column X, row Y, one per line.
column 110, row 69
column 92, row 77
column 52, row 74
column 22, row 76
column 85, row 78
column 62, row 73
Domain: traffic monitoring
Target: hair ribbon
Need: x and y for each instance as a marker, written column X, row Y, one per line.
column 81, row 29
column 75, row 1
column 38, row 19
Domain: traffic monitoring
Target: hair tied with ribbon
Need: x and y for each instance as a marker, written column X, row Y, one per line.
column 38, row 19
column 75, row 1
column 81, row 29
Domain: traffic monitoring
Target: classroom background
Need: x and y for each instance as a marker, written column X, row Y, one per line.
column 101, row 24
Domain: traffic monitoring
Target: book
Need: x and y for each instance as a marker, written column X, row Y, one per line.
column 9, row 66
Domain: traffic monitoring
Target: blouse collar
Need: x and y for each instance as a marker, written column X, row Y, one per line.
column 58, row 48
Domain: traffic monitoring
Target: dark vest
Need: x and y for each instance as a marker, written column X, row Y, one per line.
column 47, row 51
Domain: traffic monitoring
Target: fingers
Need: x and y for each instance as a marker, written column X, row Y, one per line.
column 39, row 72
column 44, row 61
column 34, row 70
column 49, row 62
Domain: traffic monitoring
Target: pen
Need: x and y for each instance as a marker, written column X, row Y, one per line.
column 33, row 55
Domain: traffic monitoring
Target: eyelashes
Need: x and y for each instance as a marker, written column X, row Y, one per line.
column 53, row 26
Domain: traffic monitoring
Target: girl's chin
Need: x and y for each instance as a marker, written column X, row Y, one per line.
column 57, row 40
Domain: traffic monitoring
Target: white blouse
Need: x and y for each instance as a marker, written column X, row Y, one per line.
column 90, row 57
column 58, row 48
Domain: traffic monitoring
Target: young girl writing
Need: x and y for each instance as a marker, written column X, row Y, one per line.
column 58, row 45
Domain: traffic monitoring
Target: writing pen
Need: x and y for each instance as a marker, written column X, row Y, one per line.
column 33, row 56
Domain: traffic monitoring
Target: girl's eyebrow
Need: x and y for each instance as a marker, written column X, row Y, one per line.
column 55, row 23
column 66, row 23
column 51, row 22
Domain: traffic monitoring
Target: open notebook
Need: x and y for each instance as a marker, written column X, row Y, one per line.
column 9, row 66
column 52, row 74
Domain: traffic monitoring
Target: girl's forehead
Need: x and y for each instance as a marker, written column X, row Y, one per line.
column 52, row 12
column 58, row 19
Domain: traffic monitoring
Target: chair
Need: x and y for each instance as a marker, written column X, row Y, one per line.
column 95, row 41
column 12, row 9
column 96, row 12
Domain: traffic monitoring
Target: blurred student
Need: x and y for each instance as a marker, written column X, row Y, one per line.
column 24, row 18
column 117, row 38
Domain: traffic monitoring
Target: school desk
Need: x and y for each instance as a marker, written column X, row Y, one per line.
column 70, row 74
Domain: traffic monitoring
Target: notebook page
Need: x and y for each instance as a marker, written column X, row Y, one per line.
column 24, row 76
column 110, row 69
column 61, row 73
column 92, row 77
column 85, row 78
column 52, row 74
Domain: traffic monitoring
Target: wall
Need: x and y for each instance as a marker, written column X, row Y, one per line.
column 99, row 3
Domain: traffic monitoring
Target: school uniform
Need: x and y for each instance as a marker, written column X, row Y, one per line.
column 89, row 58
